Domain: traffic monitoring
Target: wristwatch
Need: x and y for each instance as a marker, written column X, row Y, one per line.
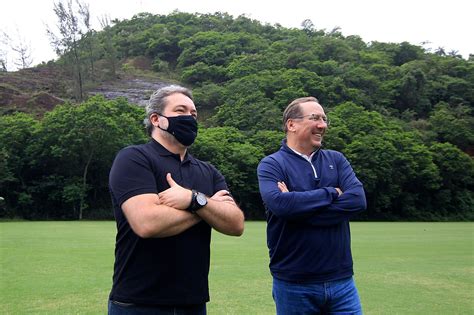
column 198, row 201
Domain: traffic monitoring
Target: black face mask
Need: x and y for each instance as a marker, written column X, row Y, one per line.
column 184, row 128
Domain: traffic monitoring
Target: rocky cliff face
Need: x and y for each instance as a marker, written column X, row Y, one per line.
column 136, row 90
column 40, row 89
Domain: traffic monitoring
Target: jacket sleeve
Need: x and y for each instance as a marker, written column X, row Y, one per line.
column 351, row 202
column 290, row 205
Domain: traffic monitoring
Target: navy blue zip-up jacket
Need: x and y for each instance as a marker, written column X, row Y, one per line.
column 308, row 232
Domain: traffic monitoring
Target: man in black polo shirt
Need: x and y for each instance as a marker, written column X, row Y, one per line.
column 165, row 204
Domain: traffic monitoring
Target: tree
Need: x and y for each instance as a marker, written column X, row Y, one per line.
column 207, row 98
column 228, row 149
column 412, row 92
column 4, row 39
column 23, row 50
column 416, row 175
column 396, row 168
column 308, row 27
column 213, row 48
column 3, row 64
column 407, row 52
column 268, row 140
column 24, row 55
column 87, row 35
column 455, row 197
column 110, row 51
column 248, row 64
column 66, row 42
column 85, row 138
column 16, row 134
column 373, row 160
column 453, row 124
column 201, row 73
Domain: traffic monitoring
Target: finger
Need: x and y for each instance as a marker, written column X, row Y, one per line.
column 170, row 180
column 222, row 193
column 282, row 187
column 158, row 201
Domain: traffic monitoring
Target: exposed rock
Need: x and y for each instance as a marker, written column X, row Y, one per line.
column 40, row 89
column 135, row 90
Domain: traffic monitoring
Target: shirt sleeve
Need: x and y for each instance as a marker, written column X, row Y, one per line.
column 290, row 205
column 131, row 175
column 351, row 202
column 218, row 180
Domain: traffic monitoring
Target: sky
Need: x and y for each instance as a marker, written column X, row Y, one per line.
column 447, row 24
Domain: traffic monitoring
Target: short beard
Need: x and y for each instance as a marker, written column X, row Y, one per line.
column 169, row 137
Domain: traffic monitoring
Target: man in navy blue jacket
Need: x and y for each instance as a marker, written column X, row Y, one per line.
column 310, row 194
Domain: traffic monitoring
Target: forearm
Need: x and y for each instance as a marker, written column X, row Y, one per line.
column 148, row 218
column 219, row 211
column 224, row 216
column 170, row 222
column 342, row 209
column 296, row 205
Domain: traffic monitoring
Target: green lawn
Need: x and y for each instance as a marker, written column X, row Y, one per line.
column 401, row 268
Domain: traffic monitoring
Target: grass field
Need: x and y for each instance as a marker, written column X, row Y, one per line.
column 401, row 268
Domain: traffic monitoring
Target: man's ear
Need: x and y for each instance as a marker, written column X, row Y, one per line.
column 154, row 119
column 290, row 125
column 159, row 121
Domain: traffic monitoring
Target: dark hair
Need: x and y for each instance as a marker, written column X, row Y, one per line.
column 157, row 102
column 293, row 110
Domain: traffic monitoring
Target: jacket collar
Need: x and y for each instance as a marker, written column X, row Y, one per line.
column 287, row 149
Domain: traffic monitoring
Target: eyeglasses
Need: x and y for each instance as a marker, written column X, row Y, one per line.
column 314, row 117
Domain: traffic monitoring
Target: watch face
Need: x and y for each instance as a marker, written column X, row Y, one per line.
column 201, row 199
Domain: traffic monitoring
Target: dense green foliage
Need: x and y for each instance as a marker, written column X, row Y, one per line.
column 402, row 115
column 58, row 166
column 400, row 268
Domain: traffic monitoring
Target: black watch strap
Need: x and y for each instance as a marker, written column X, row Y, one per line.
column 192, row 205
column 198, row 200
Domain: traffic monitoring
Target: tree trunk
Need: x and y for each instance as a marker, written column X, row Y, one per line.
column 78, row 71
column 91, row 56
column 84, row 183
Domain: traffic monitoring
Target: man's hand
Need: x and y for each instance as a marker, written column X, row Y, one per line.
column 223, row 195
column 282, row 187
column 176, row 196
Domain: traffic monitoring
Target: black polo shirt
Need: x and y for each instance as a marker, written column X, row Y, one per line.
column 161, row 271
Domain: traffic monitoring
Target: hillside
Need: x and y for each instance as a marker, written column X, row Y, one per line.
column 135, row 88
column 39, row 89
column 402, row 115
column 33, row 90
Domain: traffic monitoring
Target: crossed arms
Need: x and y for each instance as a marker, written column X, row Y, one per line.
column 164, row 214
column 323, row 206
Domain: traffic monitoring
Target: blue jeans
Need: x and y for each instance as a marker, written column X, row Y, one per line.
column 333, row 297
column 118, row 308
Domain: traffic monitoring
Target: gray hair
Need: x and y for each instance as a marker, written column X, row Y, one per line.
column 293, row 110
column 157, row 102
